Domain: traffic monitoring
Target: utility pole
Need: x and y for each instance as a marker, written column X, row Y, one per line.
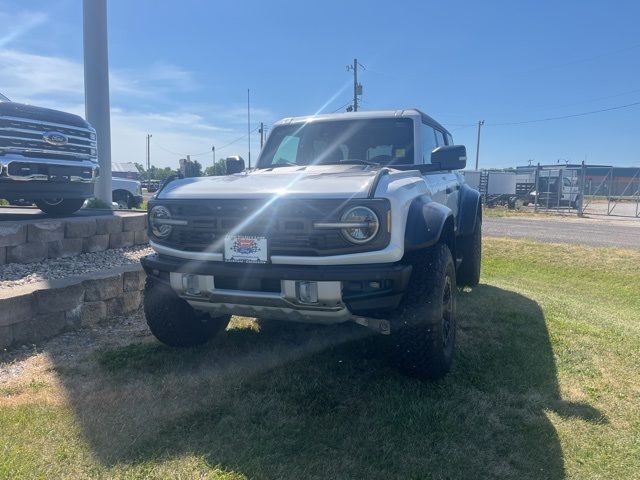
column 249, row 126
column 355, row 84
column 149, row 151
column 213, row 150
column 480, row 124
column 357, row 87
column 261, row 135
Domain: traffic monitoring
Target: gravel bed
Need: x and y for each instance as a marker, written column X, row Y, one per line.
column 16, row 274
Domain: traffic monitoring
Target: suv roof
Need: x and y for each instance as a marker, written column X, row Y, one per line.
column 407, row 112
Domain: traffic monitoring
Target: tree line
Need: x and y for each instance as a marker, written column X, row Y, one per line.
column 194, row 169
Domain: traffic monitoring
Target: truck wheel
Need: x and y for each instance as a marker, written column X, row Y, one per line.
column 123, row 199
column 424, row 325
column 470, row 247
column 59, row 206
column 174, row 322
column 575, row 203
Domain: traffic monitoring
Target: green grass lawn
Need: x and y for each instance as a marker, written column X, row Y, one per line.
column 546, row 384
column 498, row 212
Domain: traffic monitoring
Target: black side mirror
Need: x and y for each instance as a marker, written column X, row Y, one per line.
column 451, row 157
column 234, row 165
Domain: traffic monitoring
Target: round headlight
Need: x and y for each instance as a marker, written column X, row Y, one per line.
column 158, row 228
column 364, row 224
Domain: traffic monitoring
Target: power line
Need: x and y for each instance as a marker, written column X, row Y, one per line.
column 548, row 119
column 237, row 139
column 169, row 151
column 340, row 108
column 586, row 59
column 208, row 151
column 581, row 102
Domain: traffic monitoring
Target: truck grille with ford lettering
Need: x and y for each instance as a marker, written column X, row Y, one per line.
column 42, row 139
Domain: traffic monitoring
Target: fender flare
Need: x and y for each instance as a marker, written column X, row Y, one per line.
column 469, row 210
column 425, row 223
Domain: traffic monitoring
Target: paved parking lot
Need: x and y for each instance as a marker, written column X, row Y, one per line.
column 600, row 232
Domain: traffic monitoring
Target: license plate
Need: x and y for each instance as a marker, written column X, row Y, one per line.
column 245, row 249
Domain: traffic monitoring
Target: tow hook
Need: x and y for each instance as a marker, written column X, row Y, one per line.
column 380, row 326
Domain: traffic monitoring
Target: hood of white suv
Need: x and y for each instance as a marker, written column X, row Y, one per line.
column 326, row 181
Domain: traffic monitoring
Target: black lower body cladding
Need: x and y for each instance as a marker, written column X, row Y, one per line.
column 389, row 280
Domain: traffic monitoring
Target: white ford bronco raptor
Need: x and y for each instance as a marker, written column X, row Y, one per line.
column 352, row 217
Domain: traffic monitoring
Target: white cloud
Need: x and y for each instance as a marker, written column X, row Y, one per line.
column 173, row 137
column 16, row 26
column 57, row 82
column 164, row 77
column 28, row 76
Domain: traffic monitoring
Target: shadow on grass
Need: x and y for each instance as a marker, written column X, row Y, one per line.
column 322, row 402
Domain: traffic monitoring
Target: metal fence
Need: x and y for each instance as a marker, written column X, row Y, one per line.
column 587, row 189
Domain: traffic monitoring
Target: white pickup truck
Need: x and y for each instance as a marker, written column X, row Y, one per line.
column 357, row 217
column 127, row 193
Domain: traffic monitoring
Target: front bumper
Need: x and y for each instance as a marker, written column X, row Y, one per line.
column 344, row 292
column 35, row 178
column 137, row 201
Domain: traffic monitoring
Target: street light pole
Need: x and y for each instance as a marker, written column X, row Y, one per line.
column 480, row 124
column 149, row 151
column 261, row 135
column 249, row 126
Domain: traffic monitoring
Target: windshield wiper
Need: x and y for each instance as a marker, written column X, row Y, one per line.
column 351, row 160
column 285, row 164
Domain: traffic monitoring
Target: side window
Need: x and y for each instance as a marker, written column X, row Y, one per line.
column 428, row 142
column 439, row 138
column 287, row 151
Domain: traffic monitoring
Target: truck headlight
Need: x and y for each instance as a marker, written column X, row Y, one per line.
column 361, row 224
column 160, row 220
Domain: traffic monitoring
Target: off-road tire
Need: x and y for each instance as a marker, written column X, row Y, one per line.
column 60, row 208
column 424, row 325
column 470, row 247
column 174, row 322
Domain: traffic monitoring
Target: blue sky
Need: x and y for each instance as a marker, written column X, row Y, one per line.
column 180, row 70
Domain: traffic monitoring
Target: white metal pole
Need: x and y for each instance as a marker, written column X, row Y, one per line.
column 249, row 127
column 96, row 88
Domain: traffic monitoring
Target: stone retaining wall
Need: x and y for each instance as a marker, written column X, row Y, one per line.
column 30, row 241
column 37, row 311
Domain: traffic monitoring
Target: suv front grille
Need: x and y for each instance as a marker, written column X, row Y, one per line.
column 25, row 137
column 287, row 224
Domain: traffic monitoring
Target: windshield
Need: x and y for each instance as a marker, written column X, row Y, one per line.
column 381, row 140
column 3, row 98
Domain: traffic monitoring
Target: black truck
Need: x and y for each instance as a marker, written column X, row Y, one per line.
column 46, row 156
